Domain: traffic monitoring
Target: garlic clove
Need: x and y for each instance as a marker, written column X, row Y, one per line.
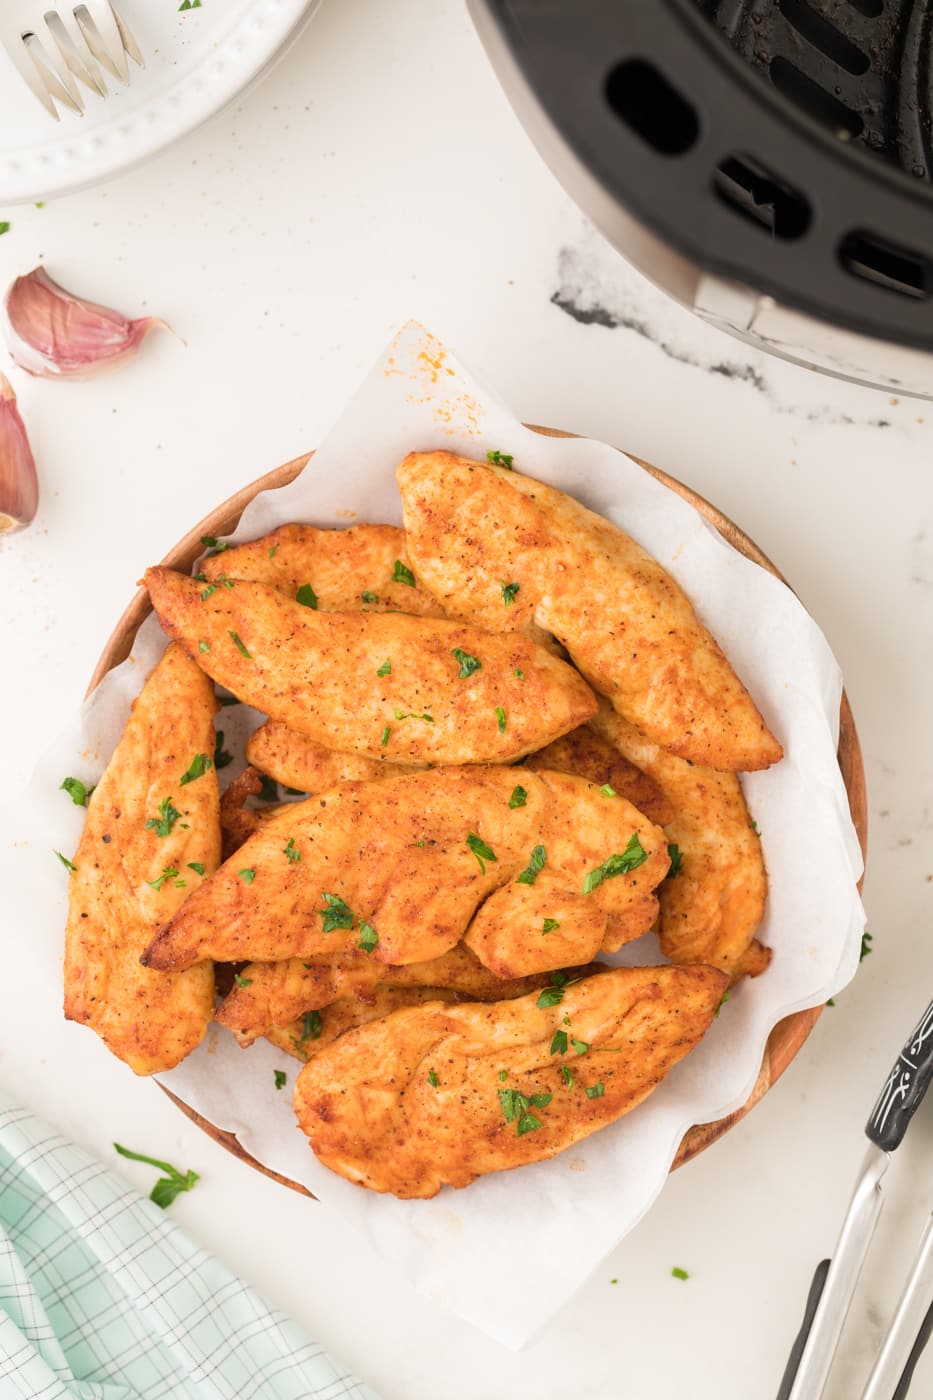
column 55, row 335
column 19, row 485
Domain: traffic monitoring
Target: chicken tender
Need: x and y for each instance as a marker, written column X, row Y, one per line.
column 152, row 835
column 408, row 689
column 271, row 994
column 364, row 567
column 585, row 753
column 299, row 762
column 712, row 909
column 505, row 550
column 399, row 867
column 439, row 1095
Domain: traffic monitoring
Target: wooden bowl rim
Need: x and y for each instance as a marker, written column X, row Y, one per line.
column 788, row 1035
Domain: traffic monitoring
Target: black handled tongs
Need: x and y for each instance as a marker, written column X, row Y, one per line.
column 834, row 1281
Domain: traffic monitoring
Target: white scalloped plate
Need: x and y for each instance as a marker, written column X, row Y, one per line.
column 196, row 62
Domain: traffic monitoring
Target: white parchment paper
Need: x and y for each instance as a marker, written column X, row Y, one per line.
column 461, row 1247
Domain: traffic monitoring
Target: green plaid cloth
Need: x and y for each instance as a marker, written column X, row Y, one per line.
column 103, row 1298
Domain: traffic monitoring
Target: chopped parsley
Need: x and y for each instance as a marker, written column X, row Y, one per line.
column 196, row 866
column 554, row 994
column 866, row 947
column 581, row 1046
column 248, row 875
column 725, row 998
column 549, row 926
column 189, row 5
column 268, row 789
column 385, row 669
column 608, row 790
column 410, row 714
column 756, row 829
column 221, row 756
column 509, row 591
column 214, row 545
column 679, row 1273
column 519, row 672
column 568, row 1080
column 502, row 1076
column 242, row 981
column 385, row 736
column 281, row 1078
column 211, row 588
column 402, row 574
column 5, row 225
column 169, row 873
column 199, row 765
column 337, row 914
column 203, row 646
column 500, row 459
column 369, row 597
column 238, row 643
column 479, row 848
column 272, row 549
column 311, row 1027
column 468, row 663
column 559, row 1043
column 534, row 867
column 291, row 851
column 306, row 596
column 163, row 823
column 595, row 1091
column 368, row 937
column 500, row 719
column 630, row 859
column 519, row 797
column 516, row 1106
column 69, row 865
column 76, row 790
column 433, row 1079
column 677, row 861
column 173, row 1182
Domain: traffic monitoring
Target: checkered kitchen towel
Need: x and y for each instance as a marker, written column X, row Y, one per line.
column 103, row 1298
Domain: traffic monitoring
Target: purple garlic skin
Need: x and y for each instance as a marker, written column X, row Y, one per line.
column 53, row 334
column 19, row 485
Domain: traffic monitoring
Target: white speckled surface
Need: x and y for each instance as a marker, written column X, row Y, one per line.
column 379, row 174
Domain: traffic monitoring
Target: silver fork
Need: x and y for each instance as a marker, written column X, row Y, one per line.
column 52, row 47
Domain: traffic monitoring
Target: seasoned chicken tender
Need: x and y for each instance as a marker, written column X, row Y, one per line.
column 413, row 690
column 710, row 912
column 152, row 835
column 364, row 567
column 504, row 550
column 271, row 994
column 299, row 762
column 585, row 753
column 439, row 1095
column 399, row 867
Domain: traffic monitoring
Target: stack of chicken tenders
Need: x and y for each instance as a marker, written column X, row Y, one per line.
column 519, row 750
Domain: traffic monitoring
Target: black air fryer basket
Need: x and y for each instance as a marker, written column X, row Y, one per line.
column 781, row 148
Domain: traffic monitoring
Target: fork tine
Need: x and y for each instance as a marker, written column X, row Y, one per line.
column 129, row 43
column 25, row 66
column 98, row 24
column 73, row 53
column 58, row 83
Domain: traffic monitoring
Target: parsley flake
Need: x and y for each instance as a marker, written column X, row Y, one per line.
column 272, row 549
column 385, row 669
column 337, row 914
column 866, row 947
column 630, row 859
column 242, row 981
column 567, row 1076
column 368, row 937
column 221, row 756
column 306, row 596
column 500, row 719
column 173, row 1182
column 677, row 861
column 595, row 1091
column 479, row 848
column 385, row 736
column 196, row 866
column 76, row 790
column 554, row 994
column 509, row 591
column 581, row 1046
column 500, row 459
column 369, row 597
column 410, row 714
column 549, row 926
column 189, row 5
column 519, row 797
column 238, row 643
column 199, row 765
column 608, row 790
column 516, row 1105
column 559, row 1043
column 519, row 672
column 725, row 998
column 534, row 867
column 169, row 873
column 248, row 875
column 291, row 851
column 402, row 574
column 214, row 545
column 311, row 1027
column 679, row 1273
column 203, row 647
column 281, row 1078
column 433, row 1079
column 163, row 823
column 69, row 865
column 468, row 663
column 211, row 588
column 502, row 1076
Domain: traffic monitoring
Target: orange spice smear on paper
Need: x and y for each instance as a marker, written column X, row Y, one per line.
column 424, row 365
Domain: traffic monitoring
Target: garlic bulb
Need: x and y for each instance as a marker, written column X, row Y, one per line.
column 19, row 486
column 54, row 334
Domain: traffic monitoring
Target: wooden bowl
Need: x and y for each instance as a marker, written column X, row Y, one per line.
column 787, row 1036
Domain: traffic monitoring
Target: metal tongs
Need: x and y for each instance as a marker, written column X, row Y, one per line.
column 834, row 1281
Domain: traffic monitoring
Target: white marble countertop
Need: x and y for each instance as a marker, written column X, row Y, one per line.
column 378, row 174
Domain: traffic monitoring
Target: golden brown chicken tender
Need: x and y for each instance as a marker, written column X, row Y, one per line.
column 152, row 835
column 364, row 567
column 585, row 753
column 505, row 550
column 271, row 994
column 439, row 1095
column 408, row 689
column 399, row 867
column 711, row 910
column 299, row 762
